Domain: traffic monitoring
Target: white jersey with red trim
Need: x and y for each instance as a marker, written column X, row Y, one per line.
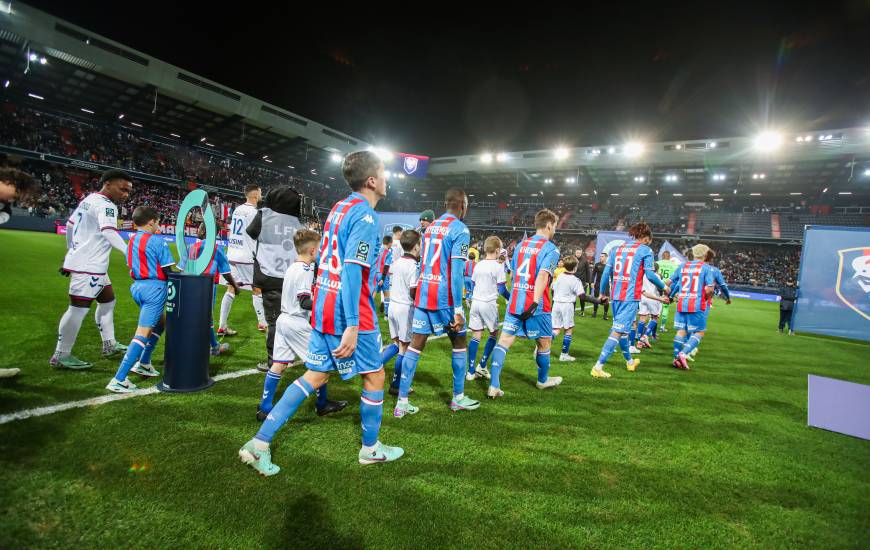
column 88, row 249
column 240, row 246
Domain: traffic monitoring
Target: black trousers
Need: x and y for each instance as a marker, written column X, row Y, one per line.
column 271, row 309
column 595, row 306
column 785, row 318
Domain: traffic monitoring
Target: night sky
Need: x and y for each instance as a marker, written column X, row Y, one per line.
column 456, row 82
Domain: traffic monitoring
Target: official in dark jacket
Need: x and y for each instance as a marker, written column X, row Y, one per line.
column 787, row 297
column 597, row 272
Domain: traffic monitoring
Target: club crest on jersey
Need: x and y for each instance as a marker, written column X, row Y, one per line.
column 362, row 251
column 410, row 165
column 853, row 279
column 110, row 212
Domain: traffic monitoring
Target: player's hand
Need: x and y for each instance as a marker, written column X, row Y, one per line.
column 237, row 288
column 604, row 299
column 63, row 271
column 348, row 343
column 458, row 323
column 527, row 314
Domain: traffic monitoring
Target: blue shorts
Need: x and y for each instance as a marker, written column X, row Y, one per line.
column 624, row 314
column 538, row 326
column 437, row 321
column 150, row 296
column 690, row 322
column 366, row 358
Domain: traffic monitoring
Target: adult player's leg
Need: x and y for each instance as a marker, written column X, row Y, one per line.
column 542, row 358
column 459, row 362
column 409, row 368
column 104, row 315
column 499, row 353
column 256, row 452
column 67, row 332
column 371, row 412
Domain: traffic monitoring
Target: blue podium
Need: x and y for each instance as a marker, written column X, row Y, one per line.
column 188, row 322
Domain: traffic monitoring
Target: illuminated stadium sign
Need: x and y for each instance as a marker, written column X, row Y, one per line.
column 411, row 165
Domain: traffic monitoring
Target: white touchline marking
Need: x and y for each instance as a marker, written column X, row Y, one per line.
column 102, row 400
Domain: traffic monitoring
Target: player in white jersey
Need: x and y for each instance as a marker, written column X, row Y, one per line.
column 91, row 233
column 566, row 290
column 487, row 282
column 293, row 326
column 404, row 275
column 240, row 253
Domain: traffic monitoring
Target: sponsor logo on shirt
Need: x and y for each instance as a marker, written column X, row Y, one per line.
column 429, row 277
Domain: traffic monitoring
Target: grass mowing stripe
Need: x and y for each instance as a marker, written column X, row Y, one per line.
column 102, row 400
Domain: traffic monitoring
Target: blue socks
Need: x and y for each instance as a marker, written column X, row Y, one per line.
column 386, row 307
column 397, row 371
column 388, row 353
column 487, row 350
column 134, row 352
column 472, row 354
column 607, row 349
column 498, row 357
column 632, row 336
column 641, row 329
column 542, row 358
column 566, row 343
column 653, row 328
column 679, row 342
column 152, row 343
column 371, row 410
column 214, row 340
column 460, row 362
column 692, row 343
column 294, row 395
column 623, row 345
column 409, row 367
column 270, row 385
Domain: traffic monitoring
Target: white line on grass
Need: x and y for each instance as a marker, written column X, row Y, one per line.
column 102, row 400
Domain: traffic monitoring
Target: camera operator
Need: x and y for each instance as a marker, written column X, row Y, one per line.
column 272, row 229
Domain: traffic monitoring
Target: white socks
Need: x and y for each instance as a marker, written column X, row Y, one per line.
column 260, row 445
column 69, row 327
column 226, row 306
column 258, row 308
column 104, row 315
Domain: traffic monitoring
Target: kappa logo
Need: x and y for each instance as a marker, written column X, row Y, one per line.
column 368, row 219
column 410, row 165
column 853, row 279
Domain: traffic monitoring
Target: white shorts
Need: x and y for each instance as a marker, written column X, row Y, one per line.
column 650, row 307
column 87, row 287
column 563, row 315
column 243, row 274
column 291, row 338
column 483, row 315
column 400, row 318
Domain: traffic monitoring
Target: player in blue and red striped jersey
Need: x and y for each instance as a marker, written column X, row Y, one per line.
column 438, row 303
column 469, row 272
column 217, row 266
column 622, row 283
column 382, row 273
column 345, row 335
column 692, row 284
column 147, row 258
column 718, row 284
column 529, row 307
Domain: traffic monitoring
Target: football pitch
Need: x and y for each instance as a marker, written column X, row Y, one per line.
column 718, row 456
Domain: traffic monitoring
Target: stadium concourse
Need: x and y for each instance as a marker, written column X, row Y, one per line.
column 572, row 346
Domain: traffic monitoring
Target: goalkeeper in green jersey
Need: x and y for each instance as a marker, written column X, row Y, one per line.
column 665, row 268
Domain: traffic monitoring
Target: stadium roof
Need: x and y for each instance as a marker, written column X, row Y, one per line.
column 100, row 79
column 832, row 161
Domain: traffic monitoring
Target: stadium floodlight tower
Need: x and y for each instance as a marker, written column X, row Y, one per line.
column 768, row 141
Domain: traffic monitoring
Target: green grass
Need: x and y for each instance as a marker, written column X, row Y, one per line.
column 719, row 456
